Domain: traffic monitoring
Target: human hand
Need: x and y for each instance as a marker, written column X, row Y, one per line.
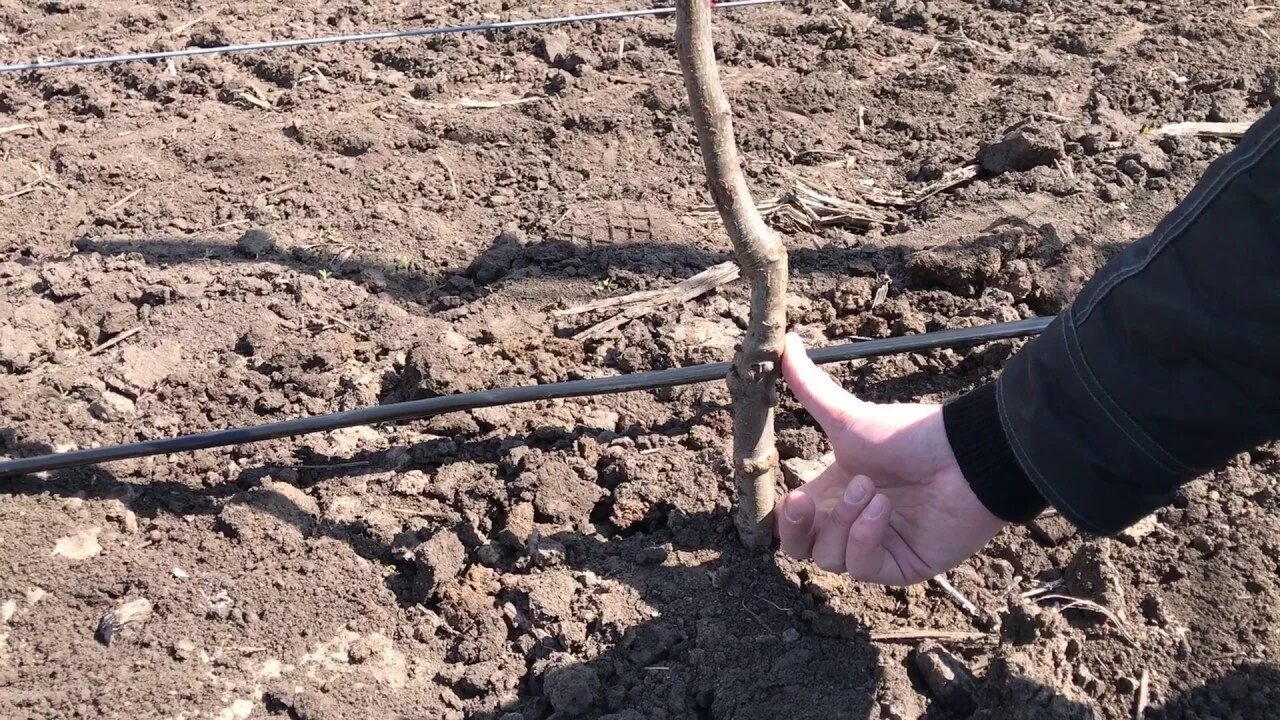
column 894, row 507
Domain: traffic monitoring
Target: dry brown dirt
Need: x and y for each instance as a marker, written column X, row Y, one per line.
column 305, row 231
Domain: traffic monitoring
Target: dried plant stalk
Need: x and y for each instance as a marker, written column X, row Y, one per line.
column 764, row 264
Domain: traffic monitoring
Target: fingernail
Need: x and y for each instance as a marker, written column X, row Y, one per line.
column 877, row 507
column 857, row 490
column 790, row 512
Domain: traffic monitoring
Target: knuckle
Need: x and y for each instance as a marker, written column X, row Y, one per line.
column 859, row 538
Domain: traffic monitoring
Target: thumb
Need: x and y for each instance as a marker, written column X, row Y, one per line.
column 822, row 396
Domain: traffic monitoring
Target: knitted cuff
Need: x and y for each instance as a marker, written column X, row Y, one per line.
column 982, row 450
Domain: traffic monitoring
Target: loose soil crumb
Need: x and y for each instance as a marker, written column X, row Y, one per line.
column 274, row 235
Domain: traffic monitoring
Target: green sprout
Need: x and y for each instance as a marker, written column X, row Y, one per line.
column 604, row 286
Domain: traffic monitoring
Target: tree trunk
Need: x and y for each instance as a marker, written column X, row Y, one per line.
column 763, row 258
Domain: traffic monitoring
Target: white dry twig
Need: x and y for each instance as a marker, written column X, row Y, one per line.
column 253, row 99
column 191, row 23
column 639, row 304
column 117, row 340
column 811, row 208
column 453, row 181
column 279, row 191
column 1144, row 696
column 1045, row 588
column 920, row 635
column 121, row 202
column 1073, row 603
column 965, row 603
column 41, row 179
column 950, row 179
column 469, row 104
column 1228, row 130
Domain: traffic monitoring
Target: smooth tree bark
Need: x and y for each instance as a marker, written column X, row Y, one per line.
column 753, row 379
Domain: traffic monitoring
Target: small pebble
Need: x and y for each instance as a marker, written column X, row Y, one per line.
column 655, row 555
column 184, row 650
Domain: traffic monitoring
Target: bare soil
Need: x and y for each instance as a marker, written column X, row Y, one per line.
column 282, row 234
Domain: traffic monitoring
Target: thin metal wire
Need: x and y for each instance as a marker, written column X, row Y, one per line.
column 362, row 37
column 416, row 409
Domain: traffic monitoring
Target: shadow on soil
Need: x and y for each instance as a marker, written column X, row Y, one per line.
column 505, row 259
column 731, row 637
column 727, row 636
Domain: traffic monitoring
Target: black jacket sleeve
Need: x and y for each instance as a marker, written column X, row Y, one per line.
column 1164, row 367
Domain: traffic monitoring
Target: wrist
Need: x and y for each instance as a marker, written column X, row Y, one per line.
column 982, row 451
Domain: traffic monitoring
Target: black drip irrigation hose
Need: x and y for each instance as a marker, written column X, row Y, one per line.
column 417, row 409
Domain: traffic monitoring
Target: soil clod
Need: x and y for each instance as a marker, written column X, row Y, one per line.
column 132, row 613
column 255, row 243
column 1023, row 148
column 949, row 681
